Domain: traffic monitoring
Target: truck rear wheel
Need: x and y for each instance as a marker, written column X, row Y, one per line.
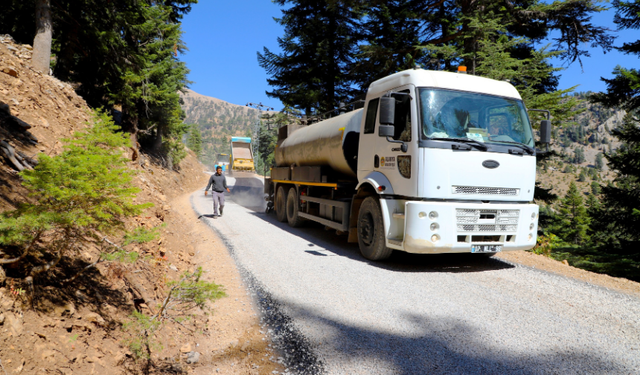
column 371, row 231
column 281, row 204
column 293, row 203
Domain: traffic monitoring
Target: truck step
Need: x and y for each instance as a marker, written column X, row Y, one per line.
column 395, row 241
column 398, row 215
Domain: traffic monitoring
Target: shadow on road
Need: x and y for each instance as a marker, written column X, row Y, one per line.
column 248, row 192
column 445, row 345
column 210, row 216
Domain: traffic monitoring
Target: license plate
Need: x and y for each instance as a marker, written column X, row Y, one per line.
column 486, row 248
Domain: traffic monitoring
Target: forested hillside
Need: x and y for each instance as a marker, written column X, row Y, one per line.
column 217, row 122
column 580, row 145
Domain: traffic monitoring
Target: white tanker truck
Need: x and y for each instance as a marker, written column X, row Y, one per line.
column 435, row 162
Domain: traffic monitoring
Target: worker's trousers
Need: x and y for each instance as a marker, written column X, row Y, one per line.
column 218, row 199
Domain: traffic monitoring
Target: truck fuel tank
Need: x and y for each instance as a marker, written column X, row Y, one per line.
column 332, row 142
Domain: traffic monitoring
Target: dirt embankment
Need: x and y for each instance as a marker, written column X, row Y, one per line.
column 76, row 327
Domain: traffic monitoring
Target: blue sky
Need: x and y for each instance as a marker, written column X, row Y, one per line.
column 224, row 37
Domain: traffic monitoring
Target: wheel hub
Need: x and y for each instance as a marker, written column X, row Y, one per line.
column 366, row 230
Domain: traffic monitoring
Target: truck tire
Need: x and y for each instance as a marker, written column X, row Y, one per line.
column 371, row 231
column 281, row 204
column 293, row 203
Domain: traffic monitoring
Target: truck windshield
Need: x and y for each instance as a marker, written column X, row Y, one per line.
column 223, row 158
column 479, row 117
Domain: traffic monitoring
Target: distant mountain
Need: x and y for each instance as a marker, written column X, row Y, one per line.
column 581, row 143
column 218, row 121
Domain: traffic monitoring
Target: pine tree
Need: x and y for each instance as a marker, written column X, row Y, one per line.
column 122, row 54
column 573, row 218
column 319, row 42
column 618, row 221
column 624, row 89
column 78, row 195
column 578, row 157
column 599, row 161
column 489, row 46
column 392, row 30
column 532, row 20
column 151, row 86
column 194, row 139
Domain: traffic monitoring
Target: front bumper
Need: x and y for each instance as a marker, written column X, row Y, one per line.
column 434, row 227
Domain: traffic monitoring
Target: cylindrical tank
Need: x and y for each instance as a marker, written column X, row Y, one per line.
column 332, row 142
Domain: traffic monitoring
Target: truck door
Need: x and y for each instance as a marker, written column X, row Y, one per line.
column 368, row 139
column 378, row 154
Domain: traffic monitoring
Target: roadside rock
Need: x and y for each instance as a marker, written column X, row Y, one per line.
column 15, row 324
column 10, row 71
column 193, row 357
column 94, row 318
column 65, row 309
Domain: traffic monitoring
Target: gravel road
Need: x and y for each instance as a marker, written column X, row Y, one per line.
column 330, row 311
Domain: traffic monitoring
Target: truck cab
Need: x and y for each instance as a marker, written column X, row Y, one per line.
column 457, row 161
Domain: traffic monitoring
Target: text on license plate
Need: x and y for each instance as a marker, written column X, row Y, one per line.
column 486, row 248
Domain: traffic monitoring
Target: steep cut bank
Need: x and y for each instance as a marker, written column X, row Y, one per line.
column 75, row 326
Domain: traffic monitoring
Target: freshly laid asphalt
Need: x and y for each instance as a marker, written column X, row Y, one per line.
column 330, row 311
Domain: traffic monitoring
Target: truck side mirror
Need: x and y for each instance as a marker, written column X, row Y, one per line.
column 386, row 130
column 387, row 110
column 545, row 131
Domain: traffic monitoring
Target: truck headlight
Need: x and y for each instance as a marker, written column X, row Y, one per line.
column 435, row 238
column 433, row 215
column 434, row 227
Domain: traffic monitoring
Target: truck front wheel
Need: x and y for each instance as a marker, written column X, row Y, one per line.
column 371, row 231
column 293, row 203
column 281, row 204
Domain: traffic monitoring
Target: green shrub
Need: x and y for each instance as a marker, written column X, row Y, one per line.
column 84, row 191
column 183, row 297
column 141, row 235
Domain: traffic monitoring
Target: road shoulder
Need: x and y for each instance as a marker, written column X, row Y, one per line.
column 235, row 344
column 543, row 263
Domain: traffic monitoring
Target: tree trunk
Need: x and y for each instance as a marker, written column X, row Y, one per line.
column 157, row 142
column 130, row 124
column 42, row 41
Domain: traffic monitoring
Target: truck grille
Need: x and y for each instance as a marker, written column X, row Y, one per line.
column 481, row 190
column 469, row 220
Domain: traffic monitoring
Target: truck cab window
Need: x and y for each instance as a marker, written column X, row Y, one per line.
column 402, row 120
column 480, row 117
column 372, row 111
